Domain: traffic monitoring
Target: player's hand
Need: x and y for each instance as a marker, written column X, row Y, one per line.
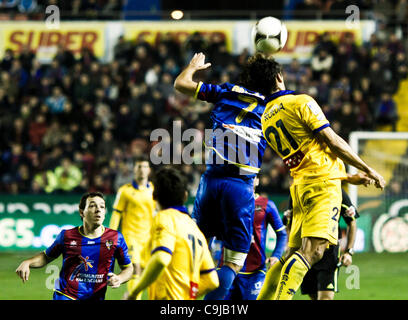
column 346, row 259
column 271, row 261
column 379, row 181
column 360, row 178
column 114, row 280
column 23, row 271
column 198, row 62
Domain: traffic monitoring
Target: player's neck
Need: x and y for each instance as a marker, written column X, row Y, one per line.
column 141, row 181
column 92, row 231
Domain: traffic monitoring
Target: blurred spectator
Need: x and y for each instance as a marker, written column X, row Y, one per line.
column 56, row 102
column 386, row 111
column 101, row 114
column 321, row 62
column 68, row 176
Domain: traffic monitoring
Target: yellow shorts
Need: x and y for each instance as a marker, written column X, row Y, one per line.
column 316, row 211
column 137, row 250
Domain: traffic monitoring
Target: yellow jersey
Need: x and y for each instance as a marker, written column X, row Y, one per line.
column 176, row 233
column 289, row 124
column 136, row 206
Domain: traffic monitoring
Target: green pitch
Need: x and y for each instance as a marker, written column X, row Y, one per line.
column 374, row 276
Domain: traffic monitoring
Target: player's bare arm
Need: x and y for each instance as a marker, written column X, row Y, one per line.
column 346, row 258
column 184, row 82
column 359, row 178
column 156, row 265
column 115, row 280
column 37, row 261
column 341, row 149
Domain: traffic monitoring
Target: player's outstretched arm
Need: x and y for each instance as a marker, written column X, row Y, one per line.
column 184, row 81
column 37, row 261
column 156, row 265
column 341, row 149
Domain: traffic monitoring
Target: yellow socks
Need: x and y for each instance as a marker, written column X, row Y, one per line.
column 271, row 281
column 291, row 277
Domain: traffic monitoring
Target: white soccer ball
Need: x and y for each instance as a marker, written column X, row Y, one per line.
column 269, row 35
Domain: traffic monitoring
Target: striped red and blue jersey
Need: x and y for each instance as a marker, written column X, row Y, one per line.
column 266, row 214
column 236, row 141
column 87, row 262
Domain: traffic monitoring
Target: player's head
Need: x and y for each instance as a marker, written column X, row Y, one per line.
column 141, row 169
column 92, row 208
column 170, row 187
column 262, row 74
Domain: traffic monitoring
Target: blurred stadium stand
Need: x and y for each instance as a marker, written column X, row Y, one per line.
column 99, row 115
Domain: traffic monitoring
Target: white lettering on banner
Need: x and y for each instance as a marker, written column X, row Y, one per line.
column 48, row 234
column 68, row 208
column 16, row 232
column 17, row 206
column 42, row 206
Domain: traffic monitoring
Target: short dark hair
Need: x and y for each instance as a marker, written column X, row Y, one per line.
column 170, row 187
column 141, row 158
column 259, row 74
column 82, row 202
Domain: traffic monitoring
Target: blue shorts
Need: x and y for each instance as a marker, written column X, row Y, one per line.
column 224, row 208
column 246, row 286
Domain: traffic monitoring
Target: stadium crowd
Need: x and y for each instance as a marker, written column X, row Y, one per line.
column 77, row 123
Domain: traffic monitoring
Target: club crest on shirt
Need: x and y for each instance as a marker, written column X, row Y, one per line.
column 109, row 244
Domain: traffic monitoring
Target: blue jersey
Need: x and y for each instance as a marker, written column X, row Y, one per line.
column 236, row 143
column 87, row 262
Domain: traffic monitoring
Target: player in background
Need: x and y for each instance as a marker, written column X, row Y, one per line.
column 181, row 265
column 89, row 253
column 297, row 130
column 133, row 208
column 224, row 204
column 320, row 282
column 249, row 280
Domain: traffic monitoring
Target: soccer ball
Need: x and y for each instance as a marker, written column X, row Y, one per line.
column 269, row 35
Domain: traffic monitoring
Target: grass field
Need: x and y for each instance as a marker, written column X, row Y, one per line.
column 378, row 277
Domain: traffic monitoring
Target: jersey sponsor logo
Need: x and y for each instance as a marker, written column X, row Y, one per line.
column 73, row 243
column 85, row 264
column 249, row 134
column 243, row 90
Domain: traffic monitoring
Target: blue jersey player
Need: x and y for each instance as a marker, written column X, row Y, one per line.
column 224, row 204
column 250, row 279
column 89, row 253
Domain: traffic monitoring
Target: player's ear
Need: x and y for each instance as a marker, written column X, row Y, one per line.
column 81, row 214
column 279, row 78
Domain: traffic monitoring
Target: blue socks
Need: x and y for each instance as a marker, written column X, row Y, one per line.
column 226, row 277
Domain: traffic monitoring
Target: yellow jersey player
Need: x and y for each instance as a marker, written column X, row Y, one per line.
column 133, row 208
column 298, row 131
column 181, row 265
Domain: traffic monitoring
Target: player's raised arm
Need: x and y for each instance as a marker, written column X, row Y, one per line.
column 37, row 261
column 341, row 149
column 184, row 81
